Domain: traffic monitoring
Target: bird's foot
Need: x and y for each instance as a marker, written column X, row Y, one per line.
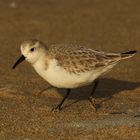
column 92, row 102
column 57, row 108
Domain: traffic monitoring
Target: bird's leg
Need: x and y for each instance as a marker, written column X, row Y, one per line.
column 91, row 98
column 58, row 107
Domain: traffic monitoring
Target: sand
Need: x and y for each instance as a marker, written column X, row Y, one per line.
column 112, row 26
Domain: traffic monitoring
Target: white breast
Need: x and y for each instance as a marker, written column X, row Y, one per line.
column 59, row 77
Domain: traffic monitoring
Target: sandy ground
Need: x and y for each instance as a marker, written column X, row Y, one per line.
column 112, row 25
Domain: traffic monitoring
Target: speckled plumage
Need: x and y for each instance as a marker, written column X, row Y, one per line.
column 77, row 59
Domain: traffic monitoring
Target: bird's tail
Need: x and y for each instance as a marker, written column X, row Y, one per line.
column 129, row 54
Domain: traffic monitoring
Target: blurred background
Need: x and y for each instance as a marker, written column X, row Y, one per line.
column 106, row 25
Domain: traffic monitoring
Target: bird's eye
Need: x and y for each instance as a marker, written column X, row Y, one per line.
column 32, row 49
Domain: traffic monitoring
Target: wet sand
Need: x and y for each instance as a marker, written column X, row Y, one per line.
column 112, row 26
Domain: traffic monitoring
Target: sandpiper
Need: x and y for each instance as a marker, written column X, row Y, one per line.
column 69, row 66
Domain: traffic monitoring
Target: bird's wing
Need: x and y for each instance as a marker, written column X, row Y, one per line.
column 77, row 59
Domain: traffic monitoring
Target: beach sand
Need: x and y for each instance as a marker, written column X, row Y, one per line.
column 112, row 26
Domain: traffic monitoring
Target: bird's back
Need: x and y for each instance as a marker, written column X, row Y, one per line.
column 78, row 59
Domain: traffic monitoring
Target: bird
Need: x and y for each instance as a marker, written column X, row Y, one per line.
column 69, row 66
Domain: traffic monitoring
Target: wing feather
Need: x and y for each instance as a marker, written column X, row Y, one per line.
column 78, row 59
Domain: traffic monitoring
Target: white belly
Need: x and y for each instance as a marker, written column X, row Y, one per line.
column 59, row 77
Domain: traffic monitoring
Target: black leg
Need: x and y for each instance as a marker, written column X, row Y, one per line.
column 91, row 98
column 58, row 107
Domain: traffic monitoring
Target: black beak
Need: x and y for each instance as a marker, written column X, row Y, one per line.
column 22, row 58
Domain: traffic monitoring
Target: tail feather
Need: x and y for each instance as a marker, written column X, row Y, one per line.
column 129, row 54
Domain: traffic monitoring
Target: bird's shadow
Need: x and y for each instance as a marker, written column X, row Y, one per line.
column 105, row 89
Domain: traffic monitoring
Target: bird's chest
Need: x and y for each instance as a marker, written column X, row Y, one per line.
column 52, row 73
column 58, row 76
